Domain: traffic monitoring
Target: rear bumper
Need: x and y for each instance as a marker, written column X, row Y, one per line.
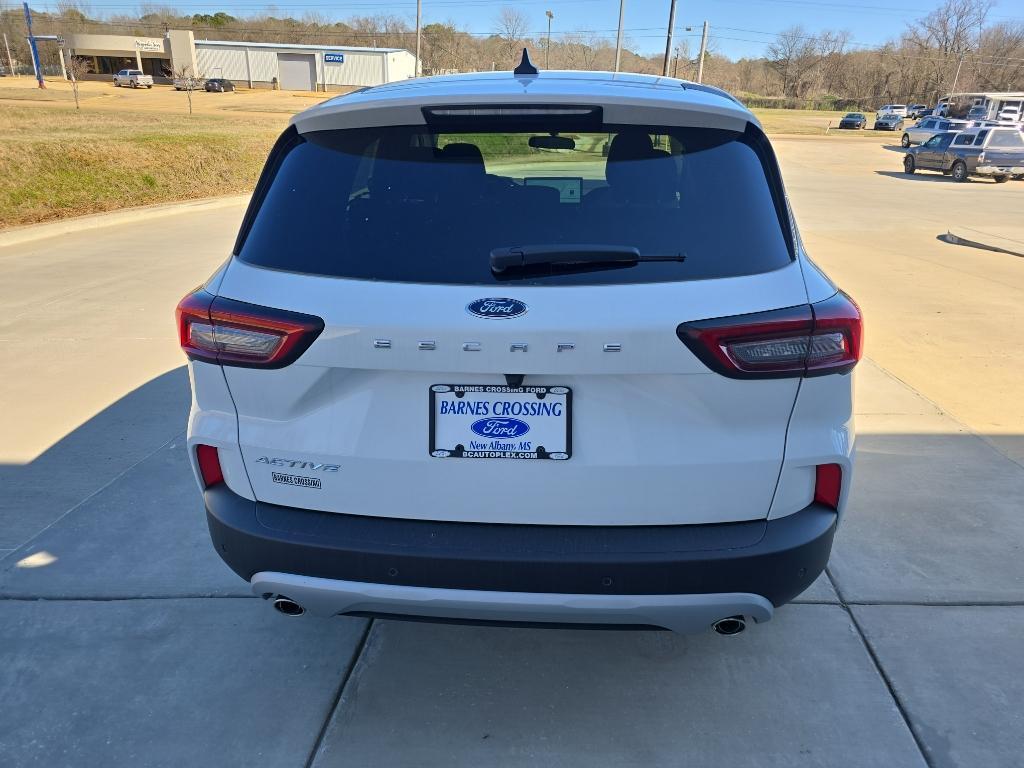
column 1000, row 170
column 686, row 614
column 599, row 565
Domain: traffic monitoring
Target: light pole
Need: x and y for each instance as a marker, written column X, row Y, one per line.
column 703, row 50
column 618, row 37
column 547, row 54
column 419, row 12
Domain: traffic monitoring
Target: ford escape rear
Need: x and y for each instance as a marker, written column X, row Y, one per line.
column 523, row 348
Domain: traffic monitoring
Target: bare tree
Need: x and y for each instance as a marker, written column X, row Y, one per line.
column 188, row 81
column 510, row 27
column 946, row 34
column 792, row 55
column 76, row 67
column 831, row 49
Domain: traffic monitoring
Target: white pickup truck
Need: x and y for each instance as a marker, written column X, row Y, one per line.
column 132, row 78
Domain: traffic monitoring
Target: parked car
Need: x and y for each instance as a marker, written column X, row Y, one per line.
column 219, row 85
column 188, row 83
column 888, row 122
column 891, row 109
column 930, row 126
column 978, row 112
column 917, row 111
column 631, row 405
column 994, row 152
column 853, row 120
column 1011, row 111
column 132, row 78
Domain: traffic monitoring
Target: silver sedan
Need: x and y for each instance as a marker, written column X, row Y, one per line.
column 928, row 127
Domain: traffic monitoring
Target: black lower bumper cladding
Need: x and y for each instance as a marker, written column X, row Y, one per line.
column 777, row 559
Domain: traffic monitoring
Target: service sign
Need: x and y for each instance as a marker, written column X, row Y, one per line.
column 474, row 421
column 334, row 58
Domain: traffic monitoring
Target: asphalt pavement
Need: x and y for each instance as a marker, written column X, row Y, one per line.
column 124, row 641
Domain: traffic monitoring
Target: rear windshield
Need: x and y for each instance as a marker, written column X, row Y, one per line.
column 423, row 204
column 1007, row 139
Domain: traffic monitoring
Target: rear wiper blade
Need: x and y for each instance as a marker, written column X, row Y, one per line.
column 520, row 256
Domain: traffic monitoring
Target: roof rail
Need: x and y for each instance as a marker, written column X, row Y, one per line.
column 690, row 86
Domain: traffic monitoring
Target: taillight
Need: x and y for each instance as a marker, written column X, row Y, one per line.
column 828, row 484
column 209, row 465
column 838, row 339
column 229, row 332
column 806, row 340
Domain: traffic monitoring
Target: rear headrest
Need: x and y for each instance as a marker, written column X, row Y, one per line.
column 463, row 153
column 466, row 174
column 638, row 172
column 630, row 145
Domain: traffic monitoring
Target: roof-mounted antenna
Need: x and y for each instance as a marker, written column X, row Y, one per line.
column 525, row 66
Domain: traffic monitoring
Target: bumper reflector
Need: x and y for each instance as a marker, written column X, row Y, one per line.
column 828, row 484
column 209, row 465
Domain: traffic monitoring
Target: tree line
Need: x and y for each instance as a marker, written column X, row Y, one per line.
column 799, row 68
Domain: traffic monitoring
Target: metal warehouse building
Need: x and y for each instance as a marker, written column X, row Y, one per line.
column 302, row 67
column 257, row 65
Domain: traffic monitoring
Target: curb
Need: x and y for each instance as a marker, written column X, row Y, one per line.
column 32, row 232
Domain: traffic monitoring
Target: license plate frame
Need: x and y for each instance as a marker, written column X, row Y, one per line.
column 559, row 395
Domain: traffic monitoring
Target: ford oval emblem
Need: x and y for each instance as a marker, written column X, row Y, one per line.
column 496, row 308
column 502, row 427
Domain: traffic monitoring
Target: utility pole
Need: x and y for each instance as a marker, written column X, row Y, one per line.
column 32, row 45
column 547, row 53
column 703, row 50
column 668, row 40
column 10, row 60
column 618, row 38
column 419, row 13
column 960, row 64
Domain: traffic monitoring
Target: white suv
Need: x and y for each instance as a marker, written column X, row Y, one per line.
column 892, row 109
column 527, row 348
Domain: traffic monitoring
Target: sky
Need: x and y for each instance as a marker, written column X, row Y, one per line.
column 738, row 27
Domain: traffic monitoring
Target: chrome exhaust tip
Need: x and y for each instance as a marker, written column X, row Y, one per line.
column 732, row 625
column 288, row 607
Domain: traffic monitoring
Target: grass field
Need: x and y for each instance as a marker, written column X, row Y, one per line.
column 59, row 164
column 128, row 148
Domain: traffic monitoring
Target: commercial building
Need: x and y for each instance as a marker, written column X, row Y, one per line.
column 995, row 105
column 256, row 65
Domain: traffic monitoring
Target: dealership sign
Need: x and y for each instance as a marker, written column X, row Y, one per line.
column 149, row 44
column 334, row 58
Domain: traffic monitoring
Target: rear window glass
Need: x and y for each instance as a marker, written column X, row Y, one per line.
column 429, row 204
column 1006, row 139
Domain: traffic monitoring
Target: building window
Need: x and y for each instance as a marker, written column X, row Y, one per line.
column 157, row 67
column 109, row 65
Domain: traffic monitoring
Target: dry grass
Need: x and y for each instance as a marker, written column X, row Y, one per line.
column 127, row 148
column 806, row 122
column 55, row 164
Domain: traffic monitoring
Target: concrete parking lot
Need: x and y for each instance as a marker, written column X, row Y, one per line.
column 124, row 641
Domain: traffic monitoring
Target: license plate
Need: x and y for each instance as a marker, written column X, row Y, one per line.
column 480, row 421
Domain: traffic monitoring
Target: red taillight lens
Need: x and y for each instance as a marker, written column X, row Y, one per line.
column 838, row 319
column 209, row 465
column 219, row 330
column 807, row 340
column 828, row 484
